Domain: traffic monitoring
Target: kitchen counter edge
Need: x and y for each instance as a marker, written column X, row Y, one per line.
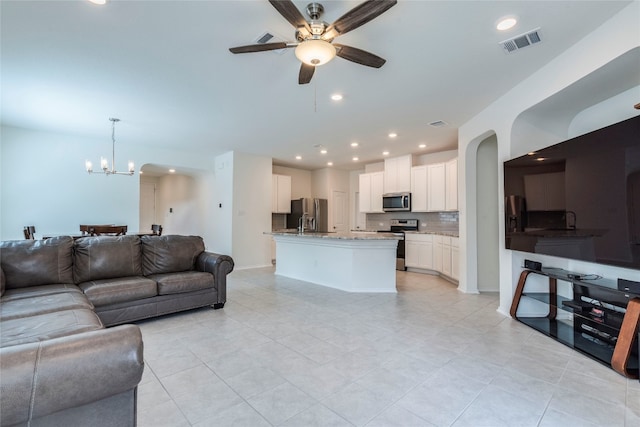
column 341, row 236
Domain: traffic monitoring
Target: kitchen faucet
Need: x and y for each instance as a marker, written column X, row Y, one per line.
column 301, row 223
column 575, row 220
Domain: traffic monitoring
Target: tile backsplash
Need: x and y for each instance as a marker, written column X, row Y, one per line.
column 431, row 221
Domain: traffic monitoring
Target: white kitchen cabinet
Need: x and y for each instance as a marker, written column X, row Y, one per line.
column 397, row 174
column 419, row 250
column 437, row 253
column 436, row 181
column 419, row 194
column 446, row 256
column 281, row 194
column 545, row 192
column 451, row 185
column 433, row 252
column 455, row 258
column 371, row 189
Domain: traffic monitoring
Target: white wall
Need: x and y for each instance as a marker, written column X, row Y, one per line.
column 440, row 157
column 44, row 183
column 488, row 215
column 222, row 214
column 177, row 207
column 251, row 214
column 610, row 43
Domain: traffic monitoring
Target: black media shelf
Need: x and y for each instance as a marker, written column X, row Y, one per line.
column 598, row 320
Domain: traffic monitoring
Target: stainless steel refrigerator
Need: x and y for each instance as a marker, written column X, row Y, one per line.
column 316, row 218
column 515, row 212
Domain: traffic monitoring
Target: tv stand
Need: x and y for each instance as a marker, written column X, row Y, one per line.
column 593, row 317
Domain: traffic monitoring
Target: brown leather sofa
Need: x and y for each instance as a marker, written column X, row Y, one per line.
column 59, row 365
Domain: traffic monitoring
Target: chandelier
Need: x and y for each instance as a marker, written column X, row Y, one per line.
column 104, row 163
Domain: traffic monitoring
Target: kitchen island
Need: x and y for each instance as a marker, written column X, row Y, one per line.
column 353, row 262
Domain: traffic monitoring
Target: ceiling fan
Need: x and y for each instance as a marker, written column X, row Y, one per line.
column 314, row 38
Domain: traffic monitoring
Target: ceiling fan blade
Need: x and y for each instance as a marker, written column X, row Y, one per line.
column 359, row 56
column 306, row 72
column 290, row 12
column 357, row 17
column 261, row 47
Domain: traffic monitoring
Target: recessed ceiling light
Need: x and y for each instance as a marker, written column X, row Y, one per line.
column 393, row 135
column 385, row 153
column 506, row 23
column 354, row 144
column 422, row 146
column 336, row 97
column 99, row 2
column 323, row 151
column 355, row 159
column 298, row 157
column 329, row 163
column 531, row 153
column 172, row 171
column 540, row 159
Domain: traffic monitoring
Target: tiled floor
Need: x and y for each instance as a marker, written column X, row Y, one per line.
column 288, row 353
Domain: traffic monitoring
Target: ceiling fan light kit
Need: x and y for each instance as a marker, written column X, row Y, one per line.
column 315, row 52
column 314, row 38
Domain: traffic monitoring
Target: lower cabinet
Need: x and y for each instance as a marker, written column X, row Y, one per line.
column 419, row 251
column 455, row 258
column 433, row 252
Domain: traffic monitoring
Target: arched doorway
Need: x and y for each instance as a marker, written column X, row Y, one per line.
column 487, row 215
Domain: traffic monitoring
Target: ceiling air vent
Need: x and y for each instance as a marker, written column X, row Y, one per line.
column 438, row 124
column 264, row 38
column 268, row 37
column 518, row 42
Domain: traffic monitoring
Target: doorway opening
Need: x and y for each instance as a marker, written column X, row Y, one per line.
column 487, row 215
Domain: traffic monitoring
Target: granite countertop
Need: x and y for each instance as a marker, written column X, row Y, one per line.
column 440, row 233
column 341, row 236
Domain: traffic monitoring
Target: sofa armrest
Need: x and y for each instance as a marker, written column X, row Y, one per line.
column 218, row 265
column 45, row 377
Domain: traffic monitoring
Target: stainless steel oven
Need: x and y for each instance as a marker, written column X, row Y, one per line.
column 398, row 227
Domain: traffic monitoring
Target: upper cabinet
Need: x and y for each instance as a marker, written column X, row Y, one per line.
column 397, row 174
column 419, row 189
column 281, row 194
column 434, row 187
column 451, row 185
column 545, row 191
column 436, row 181
column 371, row 188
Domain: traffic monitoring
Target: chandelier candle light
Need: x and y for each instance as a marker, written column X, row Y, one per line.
column 104, row 163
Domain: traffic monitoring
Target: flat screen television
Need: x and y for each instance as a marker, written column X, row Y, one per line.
column 579, row 199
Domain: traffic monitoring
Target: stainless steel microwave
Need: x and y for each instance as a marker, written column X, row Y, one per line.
column 396, row 202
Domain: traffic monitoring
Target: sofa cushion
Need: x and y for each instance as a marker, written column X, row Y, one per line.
column 32, row 291
column 187, row 281
column 40, row 304
column 170, row 254
column 112, row 291
column 36, row 262
column 106, row 257
column 46, row 326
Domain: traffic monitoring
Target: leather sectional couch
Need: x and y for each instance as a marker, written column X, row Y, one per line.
column 59, row 364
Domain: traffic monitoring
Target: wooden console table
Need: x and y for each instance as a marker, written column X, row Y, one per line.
column 591, row 316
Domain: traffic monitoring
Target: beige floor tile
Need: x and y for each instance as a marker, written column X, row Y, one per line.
column 285, row 352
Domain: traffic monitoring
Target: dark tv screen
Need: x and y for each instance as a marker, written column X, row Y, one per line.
column 579, row 199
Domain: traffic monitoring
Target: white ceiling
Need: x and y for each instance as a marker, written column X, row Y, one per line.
column 164, row 69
